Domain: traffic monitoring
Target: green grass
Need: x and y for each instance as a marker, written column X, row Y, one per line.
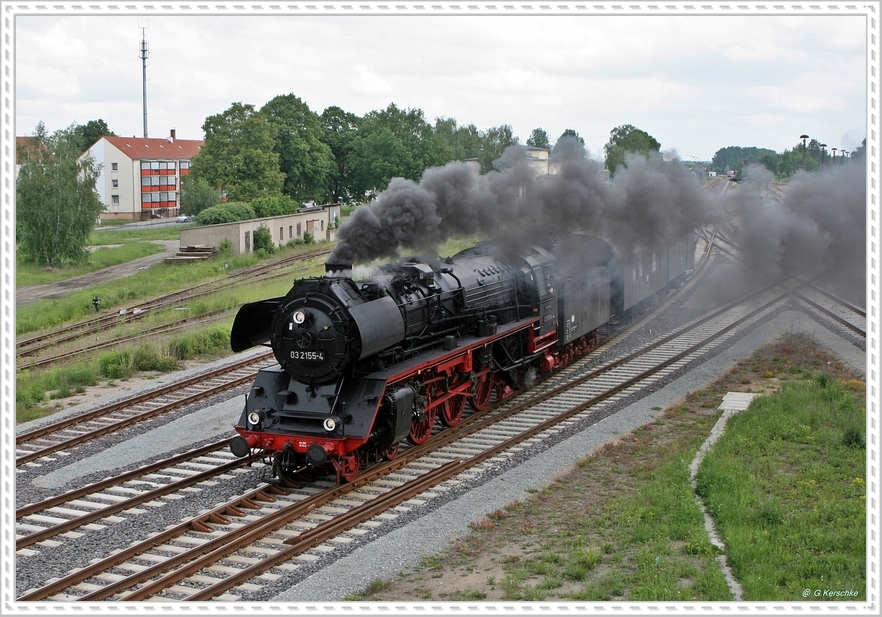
column 786, row 487
column 40, row 392
column 30, row 274
column 136, row 243
column 153, row 282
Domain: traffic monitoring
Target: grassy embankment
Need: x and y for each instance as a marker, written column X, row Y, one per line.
column 42, row 391
column 134, row 244
column 786, row 486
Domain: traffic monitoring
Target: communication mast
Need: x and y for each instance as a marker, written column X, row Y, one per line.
column 144, row 55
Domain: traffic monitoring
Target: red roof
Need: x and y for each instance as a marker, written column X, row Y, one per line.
column 153, row 148
column 28, row 146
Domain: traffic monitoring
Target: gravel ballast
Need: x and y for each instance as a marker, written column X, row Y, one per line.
column 402, row 543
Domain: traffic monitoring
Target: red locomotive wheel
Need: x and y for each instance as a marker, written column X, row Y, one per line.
column 420, row 431
column 347, row 467
column 483, row 392
column 390, row 453
column 452, row 410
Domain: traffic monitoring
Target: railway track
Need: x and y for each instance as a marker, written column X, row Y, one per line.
column 100, row 501
column 51, row 340
column 254, row 539
column 67, row 434
column 234, row 549
column 816, row 299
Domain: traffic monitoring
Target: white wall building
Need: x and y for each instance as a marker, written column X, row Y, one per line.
column 140, row 177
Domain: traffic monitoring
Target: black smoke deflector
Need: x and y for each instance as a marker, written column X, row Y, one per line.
column 253, row 324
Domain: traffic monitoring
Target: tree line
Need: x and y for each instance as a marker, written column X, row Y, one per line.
column 285, row 148
column 810, row 156
column 284, row 154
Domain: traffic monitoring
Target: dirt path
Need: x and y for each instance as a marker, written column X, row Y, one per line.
column 60, row 289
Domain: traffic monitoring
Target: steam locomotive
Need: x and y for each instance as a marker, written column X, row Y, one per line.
column 364, row 365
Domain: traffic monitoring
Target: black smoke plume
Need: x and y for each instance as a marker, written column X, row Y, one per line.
column 644, row 204
column 818, row 230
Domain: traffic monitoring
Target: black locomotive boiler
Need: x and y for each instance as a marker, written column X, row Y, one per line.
column 364, row 365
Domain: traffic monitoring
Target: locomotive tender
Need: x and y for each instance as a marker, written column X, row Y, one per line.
column 363, row 365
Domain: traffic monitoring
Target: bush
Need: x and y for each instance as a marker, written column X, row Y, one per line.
column 116, row 365
column 226, row 248
column 147, row 358
column 273, row 206
column 204, row 342
column 854, row 438
column 263, row 240
column 226, row 213
column 308, row 238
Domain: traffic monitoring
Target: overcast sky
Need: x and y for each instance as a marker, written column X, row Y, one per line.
column 697, row 83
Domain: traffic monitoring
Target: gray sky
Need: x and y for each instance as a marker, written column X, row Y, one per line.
column 697, row 83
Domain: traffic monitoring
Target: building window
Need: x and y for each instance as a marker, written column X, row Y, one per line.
column 114, row 183
column 114, row 166
column 298, row 230
column 290, row 232
column 114, row 200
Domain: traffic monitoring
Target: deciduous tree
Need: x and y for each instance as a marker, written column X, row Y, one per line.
column 628, row 138
column 340, row 129
column 196, row 195
column 464, row 141
column 87, row 134
column 56, row 204
column 539, row 139
column 238, row 157
column 494, row 141
column 393, row 143
column 306, row 160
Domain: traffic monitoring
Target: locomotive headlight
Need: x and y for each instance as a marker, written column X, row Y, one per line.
column 330, row 424
column 254, row 418
column 299, row 317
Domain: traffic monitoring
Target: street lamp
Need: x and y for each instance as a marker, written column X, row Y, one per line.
column 803, row 138
column 823, row 147
column 834, row 154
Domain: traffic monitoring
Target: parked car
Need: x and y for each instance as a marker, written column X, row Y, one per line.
column 184, row 219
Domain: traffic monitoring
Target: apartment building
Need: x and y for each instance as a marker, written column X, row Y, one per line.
column 140, row 177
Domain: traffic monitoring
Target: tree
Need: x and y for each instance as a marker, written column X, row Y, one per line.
column 769, row 160
column 464, row 141
column 56, row 204
column 238, row 156
column 735, row 157
column 573, row 134
column 196, row 195
column 87, row 134
column 306, row 160
column 393, row 143
column 340, row 128
column 494, row 142
column 801, row 158
column 539, row 139
column 628, row 138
